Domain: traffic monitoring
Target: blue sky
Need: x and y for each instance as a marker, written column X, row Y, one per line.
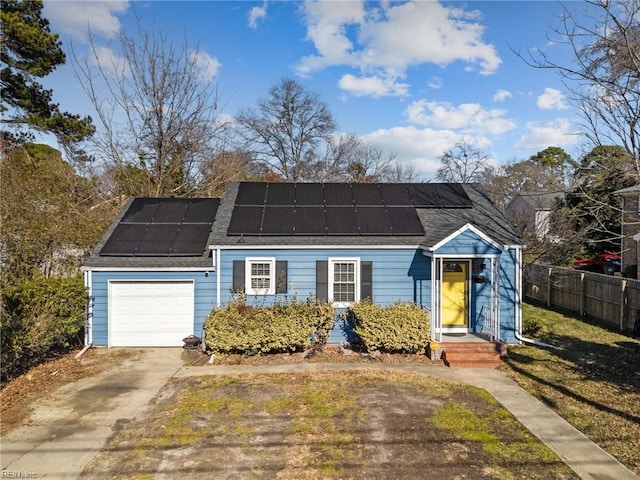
column 410, row 77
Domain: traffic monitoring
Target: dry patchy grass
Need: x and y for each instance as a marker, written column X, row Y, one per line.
column 325, row 425
column 592, row 379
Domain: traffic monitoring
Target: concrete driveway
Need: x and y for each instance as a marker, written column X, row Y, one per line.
column 67, row 432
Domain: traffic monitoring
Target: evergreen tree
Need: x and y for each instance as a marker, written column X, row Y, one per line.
column 29, row 51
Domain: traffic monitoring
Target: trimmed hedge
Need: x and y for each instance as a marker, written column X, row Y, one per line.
column 400, row 327
column 284, row 327
column 40, row 317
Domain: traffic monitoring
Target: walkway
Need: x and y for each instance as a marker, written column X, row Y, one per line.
column 586, row 458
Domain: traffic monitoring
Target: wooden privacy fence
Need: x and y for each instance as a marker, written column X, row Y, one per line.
column 615, row 300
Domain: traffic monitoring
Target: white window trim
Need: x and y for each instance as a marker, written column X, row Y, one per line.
column 332, row 262
column 272, row 277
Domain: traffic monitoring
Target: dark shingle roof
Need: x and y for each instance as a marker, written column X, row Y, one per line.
column 438, row 224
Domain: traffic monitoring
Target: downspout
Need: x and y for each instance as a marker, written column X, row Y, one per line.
column 218, row 301
column 88, row 323
column 518, row 295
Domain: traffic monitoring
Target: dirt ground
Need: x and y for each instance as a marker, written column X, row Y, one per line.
column 330, row 425
column 296, row 426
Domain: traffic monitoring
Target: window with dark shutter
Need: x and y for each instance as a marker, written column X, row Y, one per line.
column 366, row 280
column 322, row 280
column 281, row 276
column 238, row 276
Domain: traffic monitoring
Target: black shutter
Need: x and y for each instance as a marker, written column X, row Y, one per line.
column 322, row 280
column 281, row 276
column 238, row 275
column 366, row 280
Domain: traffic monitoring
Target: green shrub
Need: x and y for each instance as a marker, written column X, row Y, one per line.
column 285, row 326
column 39, row 317
column 401, row 327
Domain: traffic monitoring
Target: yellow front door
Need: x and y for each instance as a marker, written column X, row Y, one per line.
column 454, row 294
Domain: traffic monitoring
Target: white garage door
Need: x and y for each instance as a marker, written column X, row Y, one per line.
column 150, row 313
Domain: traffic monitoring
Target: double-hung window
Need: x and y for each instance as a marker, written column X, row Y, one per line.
column 344, row 281
column 260, row 275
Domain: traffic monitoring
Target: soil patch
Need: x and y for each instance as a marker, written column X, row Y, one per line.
column 19, row 395
column 366, row 424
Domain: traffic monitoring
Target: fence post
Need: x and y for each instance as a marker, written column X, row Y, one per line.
column 582, row 277
column 623, row 302
column 549, row 287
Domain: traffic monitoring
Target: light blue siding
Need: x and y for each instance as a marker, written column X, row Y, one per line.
column 204, row 292
column 398, row 274
column 468, row 243
column 507, row 296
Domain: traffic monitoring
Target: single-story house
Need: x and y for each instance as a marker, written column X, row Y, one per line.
column 165, row 263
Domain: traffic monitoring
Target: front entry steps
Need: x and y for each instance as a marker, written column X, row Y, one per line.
column 473, row 354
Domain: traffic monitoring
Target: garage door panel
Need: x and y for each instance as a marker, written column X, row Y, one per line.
column 150, row 313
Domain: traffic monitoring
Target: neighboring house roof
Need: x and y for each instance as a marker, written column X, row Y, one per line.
column 385, row 214
column 628, row 191
column 538, row 200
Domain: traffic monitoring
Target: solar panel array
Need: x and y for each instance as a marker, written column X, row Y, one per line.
column 316, row 209
column 163, row 227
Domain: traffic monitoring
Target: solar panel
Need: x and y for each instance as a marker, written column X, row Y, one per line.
column 341, row 221
column 278, row 221
column 373, row 221
column 202, row 210
column 142, row 210
column 395, row 194
column 281, row 194
column 191, row 239
column 251, row 193
column 338, row 194
column 124, row 240
column 439, row 195
column 309, row 221
column 157, row 239
column 171, row 211
column 405, row 221
column 366, row 194
column 309, row 194
column 245, row 220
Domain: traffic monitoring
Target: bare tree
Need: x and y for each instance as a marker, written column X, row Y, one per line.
column 156, row 112
column 463, row 163
column 223, row 168
column 603, row 80
column 288, row 130
column 333, row 158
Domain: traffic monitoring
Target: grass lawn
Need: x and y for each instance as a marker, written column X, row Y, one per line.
column 592, row 380
column 327, row 425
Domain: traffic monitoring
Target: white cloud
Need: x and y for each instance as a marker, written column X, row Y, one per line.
column 257, row 13
column 207, row 64
column 372, row 86
column 435, row 83
column 470, row 118
column 420, row 148
column 77, row 18
column 552, row 99
column 501, row 95
column 385, row 41
column 109, row 62
column 559, row 132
